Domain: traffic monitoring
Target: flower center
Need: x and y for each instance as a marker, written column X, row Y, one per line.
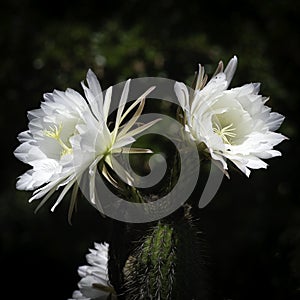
column 226, row 133
column 54, row 132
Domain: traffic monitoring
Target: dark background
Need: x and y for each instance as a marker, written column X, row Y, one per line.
column 252, row 226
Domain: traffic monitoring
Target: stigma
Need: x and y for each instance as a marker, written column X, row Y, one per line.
column 54, row 132
column 226, row 133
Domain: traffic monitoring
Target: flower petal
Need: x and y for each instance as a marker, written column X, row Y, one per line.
column 230, row 69
column 94, row 94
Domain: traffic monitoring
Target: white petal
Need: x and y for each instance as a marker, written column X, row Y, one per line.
column 121, row 107
column 132, row 121
column 123, row 142
column 106, row 104
column 269, row 154
column 95, row 274
column 28, row 152
column 94, row 94
column 63, row 193
column 24, row 136
column 140, row 129
column 136, row 102
column 182, row 94
column 92, row 176
column 25, row 182
column 77, row 295
column 242, row 165
column 230, row 69
column 133, row 150
column 275, row 121
column 256, row 163
column 217, row 157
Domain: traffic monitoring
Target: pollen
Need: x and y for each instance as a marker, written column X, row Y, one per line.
column 226, row 133
column 54, row 132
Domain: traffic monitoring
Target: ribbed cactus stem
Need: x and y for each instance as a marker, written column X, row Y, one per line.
column 150, row 270
column 167, row 263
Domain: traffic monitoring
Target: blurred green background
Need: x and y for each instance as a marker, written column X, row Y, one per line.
column 252, row 227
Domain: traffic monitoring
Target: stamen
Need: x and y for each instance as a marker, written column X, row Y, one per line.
column 226, row 133
column 54, row 133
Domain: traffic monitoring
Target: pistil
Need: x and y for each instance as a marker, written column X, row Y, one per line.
column 54, row 133
column 226, row 133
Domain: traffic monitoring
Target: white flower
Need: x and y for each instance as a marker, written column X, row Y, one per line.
column 94, row 283
column 69, row 135
column 233, row 124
